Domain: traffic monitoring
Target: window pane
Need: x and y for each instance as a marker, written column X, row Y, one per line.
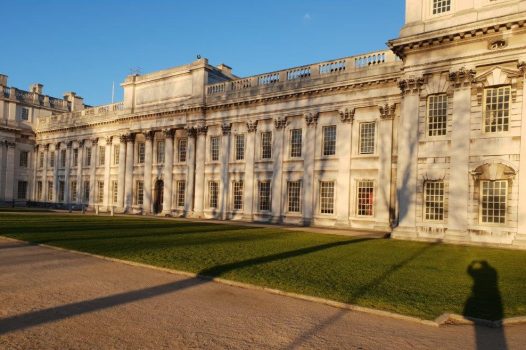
column 295, row 143
column 213, row 190
column 327, row 197
column 329, row 140
column 240, row 147
column 494, row 201
column 264, row 196
column 294, row 196
column 266, row 145
column 181, row 188
column 365, row 198
column 238, row 195
column 214, row 148
column 434, row 200
column 437, row 115
column 160, row 152
column 497, row 109
column 441, row 6
column 181, row 150
column 367, row 134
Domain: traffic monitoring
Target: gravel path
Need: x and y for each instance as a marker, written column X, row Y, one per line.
column 53, row 299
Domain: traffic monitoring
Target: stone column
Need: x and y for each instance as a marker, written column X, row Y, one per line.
column 277, row 165
column 93, row 172
column 148, row 153
column 522, row 166
column 225, row 160
column 10, row 172
column 34, row 162
column 459, row 166
column 383, row 205
column 250, row 152
column 408, row 158
column 67, row 170
column 128, row 184
column 3, row 151
column 190, row 174
column 55, row 172
column 107, row 167
column 122, row 173
column 343, row 150
column 44, row 174
column 200, row 156
column 80, row 164
column 309, row 154
column 168, row 170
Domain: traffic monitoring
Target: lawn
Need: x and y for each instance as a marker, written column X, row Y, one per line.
column 417, row 279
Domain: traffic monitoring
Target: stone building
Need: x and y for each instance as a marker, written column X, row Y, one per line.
column 423, row 140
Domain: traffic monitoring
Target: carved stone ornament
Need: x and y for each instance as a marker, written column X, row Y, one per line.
column 252, row 126
column 109, row 139
column 191, row 131
column 521, row 66
column 69, row 144
column 226, row 128
column 57, row 145
column 46, row 147
column 347, row 115
column 411, row 85
column 169, row 133
column 280, row 123
column 81, row 143
column 10, row 144
column 94, row 141
column 462, row 77
column 149, row 135
column 311, row 119
column 123, row 138
column 387, row 111
column 202, row 130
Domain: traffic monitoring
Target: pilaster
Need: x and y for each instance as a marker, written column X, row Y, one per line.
column 521, row 234
column 44, row 174
column 311, row 120
column 128, row 187
column 168, row 170
column 92, row 171
column 148, row 153
column 384, row 207
column 80, row 166
column 107, row 167
column 67, row 170
column 225, row 159
column 55, row 172
column 122, row 173
column 190, row 174
column 200, row 157
column 277, row 180
column 343, row 149
column 10, row 171
column 248, row 208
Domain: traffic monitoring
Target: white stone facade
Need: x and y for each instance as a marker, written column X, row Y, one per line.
column 423, row 140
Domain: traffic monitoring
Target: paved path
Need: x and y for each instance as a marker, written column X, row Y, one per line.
column 53, row 299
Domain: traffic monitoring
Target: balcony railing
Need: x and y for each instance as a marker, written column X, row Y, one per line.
column 84, row 116
column 317, row 70
column 33, row 98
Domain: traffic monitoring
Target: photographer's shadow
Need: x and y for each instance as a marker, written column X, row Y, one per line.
column 485, row 302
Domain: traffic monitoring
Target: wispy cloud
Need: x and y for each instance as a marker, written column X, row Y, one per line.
column 307, row 17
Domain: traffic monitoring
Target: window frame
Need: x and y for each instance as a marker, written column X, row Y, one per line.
column 265, row 200
column 19, row 190
column 141, row 152
column 481, row 201
column 361, row 140
column 182, row 149
column 23, row 159
column 160, row 151
column 321, row 199
column 116, row 154
column 265, row 145
column 213, row 196
column 294, row 146
column 178, row 193
column 239, row 152
column 485, row 109
column 425, row 211
column 358, row 197
column 299, row 204
column 238, row 194
column 428, row 115
column 325, row 143
column 214, row 149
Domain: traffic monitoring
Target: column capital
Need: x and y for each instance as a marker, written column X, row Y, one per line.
column 462, row 77
column 169, row 133
column 280, row 123
column 94, row 141
column 202, row 130
column 130, row 137
column 191, row 131
column 9, row 144
column 69, row 144
column 46, row 147
column 149, row 135
column 347, row 115
column 226, row 128
column 521, row 66
column 311, row 119
column 387, row 111
column 81, row 142
column 252, row 126
column 411, row 85
column 57, row 145
column 109, row 140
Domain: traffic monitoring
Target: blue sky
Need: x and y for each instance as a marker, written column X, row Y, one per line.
column 84, row 46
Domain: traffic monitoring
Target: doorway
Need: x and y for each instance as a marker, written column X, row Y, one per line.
column 158, row 197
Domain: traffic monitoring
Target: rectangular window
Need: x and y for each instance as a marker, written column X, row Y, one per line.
column 41, row 160
column 102, row 155
column 116, row 154
column 160, row 152
column 73, row 191
column 181, row 192
column 367, row 134
column 213, row 190
column 294, row 196
column 22, row 190
column 24, row 159
column 497, row 109
column 50, row 191
column 237, row 194
column 86, row 191
column 239, row 151
column 266, row 145
column 181, row 149
column 264, row 196
column 62, row 158
column 434, row 200
column 329, row 140
column 114, row 191
column 52, row 159
column 295, row 143
column 493, row 201
column 39, row 190
column 139, row 192
column 437, row 115
column 25, row 114
column 327, row 197
column 365, row 200
column 87, row 161
column 214, row 148
column 100, row 191
column 441, row 6
column 75, row 156
column 140, row 152
column 61, row 189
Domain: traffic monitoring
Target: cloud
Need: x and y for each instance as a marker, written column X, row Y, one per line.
column 307, row 17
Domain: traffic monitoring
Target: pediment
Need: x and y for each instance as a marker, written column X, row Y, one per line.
column 497, row 76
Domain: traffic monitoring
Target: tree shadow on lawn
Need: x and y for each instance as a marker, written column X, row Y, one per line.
column 58, row 313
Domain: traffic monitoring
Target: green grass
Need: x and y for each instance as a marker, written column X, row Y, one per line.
column 417, row 279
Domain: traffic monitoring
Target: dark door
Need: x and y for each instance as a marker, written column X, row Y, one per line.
column 158, row 199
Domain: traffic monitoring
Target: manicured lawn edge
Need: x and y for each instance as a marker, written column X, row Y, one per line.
column 444, row 319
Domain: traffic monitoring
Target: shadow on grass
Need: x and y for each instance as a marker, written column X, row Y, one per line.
column 58, row 313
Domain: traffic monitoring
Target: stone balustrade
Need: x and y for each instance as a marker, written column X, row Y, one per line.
column 88, row 115
column 33, row 98
column 313, row 71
